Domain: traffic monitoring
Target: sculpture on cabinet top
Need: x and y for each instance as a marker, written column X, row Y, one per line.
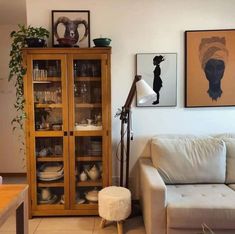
column 70, row 28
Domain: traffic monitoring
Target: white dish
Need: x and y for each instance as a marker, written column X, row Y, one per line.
column 80, row 201
column 50, row 179
column 52, row 168
column 92, row 196
column 50, row 201
column 49, row 167
column 83, row 127
column 50, row 174
column 62, row 199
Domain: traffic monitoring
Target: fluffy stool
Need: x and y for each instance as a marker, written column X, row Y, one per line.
column 114, row 205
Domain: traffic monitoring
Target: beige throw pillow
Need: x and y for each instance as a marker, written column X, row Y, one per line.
column 189, row 159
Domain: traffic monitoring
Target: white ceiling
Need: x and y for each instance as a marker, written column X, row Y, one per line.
column 12, row 12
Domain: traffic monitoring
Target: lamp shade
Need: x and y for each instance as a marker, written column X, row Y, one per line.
column 144, row 92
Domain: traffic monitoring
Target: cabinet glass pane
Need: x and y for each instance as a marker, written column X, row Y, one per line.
column 87, row 95
column 49, row 170
column 46, row 70
column 47, row 90
column 88, row 169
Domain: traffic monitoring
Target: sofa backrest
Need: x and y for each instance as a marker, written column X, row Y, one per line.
column 186, row 159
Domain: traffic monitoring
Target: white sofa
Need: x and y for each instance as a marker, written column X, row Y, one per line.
column 189, row 181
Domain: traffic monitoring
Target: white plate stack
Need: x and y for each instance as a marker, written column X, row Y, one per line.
column 50, row 172
column 95, row 148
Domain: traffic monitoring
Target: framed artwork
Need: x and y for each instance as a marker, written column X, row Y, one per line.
column 159, row 70
column 210, row 68
column 71, row 28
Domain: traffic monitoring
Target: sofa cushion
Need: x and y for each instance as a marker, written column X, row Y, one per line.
column 189, row 206
column 232, row 186
column 229, row 140
column 189, row 159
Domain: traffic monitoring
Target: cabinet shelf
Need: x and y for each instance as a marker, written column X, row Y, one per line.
column 87, row 78
column 47, row 80
column 50, row 159
column 87, row 206
column 88, row 105
column 56, row 206
column 58, row 183
column 89, row 133
column 89, row 183
column 88, row 159
column 49, row 133
column 48, row 105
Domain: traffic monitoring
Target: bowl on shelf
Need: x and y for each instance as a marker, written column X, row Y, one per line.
column 102, row 42
column 92, row 196
column 56, row 127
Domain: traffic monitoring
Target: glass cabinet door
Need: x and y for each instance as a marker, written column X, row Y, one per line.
column 48, row 123
column 87, row 95
column 87, row 123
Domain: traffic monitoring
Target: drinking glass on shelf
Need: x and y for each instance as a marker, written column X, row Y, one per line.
column 58, row 95
column 95, row 70
column 83, row 69
column 84, row 90
column 97, row 95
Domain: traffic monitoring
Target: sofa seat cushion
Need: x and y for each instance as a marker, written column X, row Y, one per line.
column 189, row 206
column 186, row 159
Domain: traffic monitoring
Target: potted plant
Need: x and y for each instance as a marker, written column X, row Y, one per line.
column 21, row 39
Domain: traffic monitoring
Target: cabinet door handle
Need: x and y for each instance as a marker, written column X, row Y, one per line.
column 71, row 133
column 65, row 133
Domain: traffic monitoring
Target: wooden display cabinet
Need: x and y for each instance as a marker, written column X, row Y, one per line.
column 68, row 128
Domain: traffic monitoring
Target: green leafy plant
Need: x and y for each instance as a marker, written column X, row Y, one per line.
column 17, row 70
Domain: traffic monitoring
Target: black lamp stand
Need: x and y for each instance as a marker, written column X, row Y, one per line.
column 125, row 120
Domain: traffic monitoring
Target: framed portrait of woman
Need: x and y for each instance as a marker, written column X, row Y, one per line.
column 210, row 68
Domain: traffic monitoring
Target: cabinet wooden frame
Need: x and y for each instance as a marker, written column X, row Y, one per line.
column 66, row 56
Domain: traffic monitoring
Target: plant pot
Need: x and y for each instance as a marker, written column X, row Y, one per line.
column 35, row 42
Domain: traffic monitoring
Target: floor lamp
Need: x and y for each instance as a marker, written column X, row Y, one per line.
column 144, row 93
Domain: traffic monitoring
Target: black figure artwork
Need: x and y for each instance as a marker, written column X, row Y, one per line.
column 213, row 57
column 157, row 81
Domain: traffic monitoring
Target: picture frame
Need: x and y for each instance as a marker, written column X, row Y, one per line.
column 70, row 28
column 210, row 68
column 159, row 70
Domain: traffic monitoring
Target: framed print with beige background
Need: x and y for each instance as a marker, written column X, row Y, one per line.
column 159, row 70
column 210, row 68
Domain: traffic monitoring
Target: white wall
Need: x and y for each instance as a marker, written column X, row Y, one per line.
column 149, row 26
column 12, row 159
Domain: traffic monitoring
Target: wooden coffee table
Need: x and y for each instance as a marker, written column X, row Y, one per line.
column 14, row 197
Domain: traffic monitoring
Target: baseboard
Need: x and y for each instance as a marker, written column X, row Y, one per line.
column 10, row 174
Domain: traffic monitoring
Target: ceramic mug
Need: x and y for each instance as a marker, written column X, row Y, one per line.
column 58, row 150
column 45, row 194
column 83, row 176
column 89, row 121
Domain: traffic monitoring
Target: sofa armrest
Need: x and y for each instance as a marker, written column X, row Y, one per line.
column 152, row 198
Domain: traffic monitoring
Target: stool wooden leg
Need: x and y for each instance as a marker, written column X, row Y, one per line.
column 102, row 224
column 120, row 227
